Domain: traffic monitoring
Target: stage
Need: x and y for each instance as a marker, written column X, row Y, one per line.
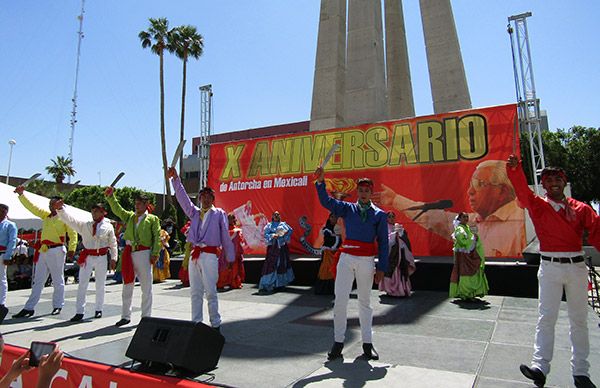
column 507, row 277
column 280, row 340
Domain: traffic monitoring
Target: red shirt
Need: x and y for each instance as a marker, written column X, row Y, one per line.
column 554, row 230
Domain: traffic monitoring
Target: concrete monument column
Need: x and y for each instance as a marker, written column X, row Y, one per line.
column 446, row 70
column 365, row 100
column 399, row 86
column 330, row 67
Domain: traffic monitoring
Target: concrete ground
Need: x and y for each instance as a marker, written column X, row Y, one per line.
column 281, row 340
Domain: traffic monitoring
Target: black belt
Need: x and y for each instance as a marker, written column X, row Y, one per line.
column 564, row 260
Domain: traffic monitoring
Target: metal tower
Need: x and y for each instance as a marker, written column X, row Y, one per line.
column 74, row 99
column 528, row 103
column 206, row 95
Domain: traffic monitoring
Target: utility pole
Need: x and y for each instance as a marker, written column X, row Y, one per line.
column 206, row 95
column 74, row 99
column 528, row 103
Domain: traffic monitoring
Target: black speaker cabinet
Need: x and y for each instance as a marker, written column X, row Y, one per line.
column 186, row 345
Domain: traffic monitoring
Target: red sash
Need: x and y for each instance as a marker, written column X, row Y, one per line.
column 353, row 247
column 90, row 252
column 49, row 244
column 359, row 248
column 127, row 264
column 208, row 249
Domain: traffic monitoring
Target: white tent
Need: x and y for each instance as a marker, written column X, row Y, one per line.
column 23, row 217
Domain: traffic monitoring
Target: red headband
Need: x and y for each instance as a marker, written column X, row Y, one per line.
column 559, row 173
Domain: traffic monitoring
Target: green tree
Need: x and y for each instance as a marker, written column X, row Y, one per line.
column 576, row 151
column 185, row 42
column 156, row 37
column 61, row 167
column 85, row 197
column 44, row 188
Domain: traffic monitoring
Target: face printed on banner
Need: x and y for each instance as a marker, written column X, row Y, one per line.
column 485, row 195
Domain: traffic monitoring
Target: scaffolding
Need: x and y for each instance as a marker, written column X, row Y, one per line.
column 528, row 104
column 206, row 95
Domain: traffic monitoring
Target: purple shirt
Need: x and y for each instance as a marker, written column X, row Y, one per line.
column 212, row 230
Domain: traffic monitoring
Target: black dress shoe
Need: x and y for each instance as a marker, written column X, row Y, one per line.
column 538, row 377
column 369, row 352
column 56, row 311
column 24, row 314
column 336, row 351
column 122, row 322
column 98, row 314
column 583, row 382
column 76, row 318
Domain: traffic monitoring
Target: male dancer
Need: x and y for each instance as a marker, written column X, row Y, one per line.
column 8, row 242
column 49, row 257
column 559, row 224
column 98, row 237
column 208, row 231
column 365, row 224
column 142, row 235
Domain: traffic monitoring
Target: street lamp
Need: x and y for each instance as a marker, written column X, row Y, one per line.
column 11, row 142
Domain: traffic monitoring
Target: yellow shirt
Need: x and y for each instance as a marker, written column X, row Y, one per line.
column 52, row 227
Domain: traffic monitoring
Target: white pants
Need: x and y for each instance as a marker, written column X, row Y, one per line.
column 552, row 278
column 53, row 262
column 204, row 274
column 99, row 265
column 3, row 283
column 143, row 271
column 350, row 267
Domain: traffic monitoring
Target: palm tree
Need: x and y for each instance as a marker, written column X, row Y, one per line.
column 185, row 42
column 61, row 168
column 156, row 37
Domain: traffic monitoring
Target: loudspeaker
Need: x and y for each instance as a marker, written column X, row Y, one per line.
column 186, row 345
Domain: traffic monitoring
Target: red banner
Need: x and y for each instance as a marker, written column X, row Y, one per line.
column 425, row 169
column 80, row 373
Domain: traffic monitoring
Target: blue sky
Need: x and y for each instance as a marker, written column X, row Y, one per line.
column 259, row 56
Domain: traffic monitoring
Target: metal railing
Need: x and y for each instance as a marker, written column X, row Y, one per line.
column 593, row 283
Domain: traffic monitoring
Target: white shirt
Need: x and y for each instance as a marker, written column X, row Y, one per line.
column 104, row 237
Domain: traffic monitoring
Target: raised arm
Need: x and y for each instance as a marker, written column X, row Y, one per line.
column 339, row 208
column 36, row 211
column 68, row 219
column 515, row 173
column 115, row 206
column 184, row 200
